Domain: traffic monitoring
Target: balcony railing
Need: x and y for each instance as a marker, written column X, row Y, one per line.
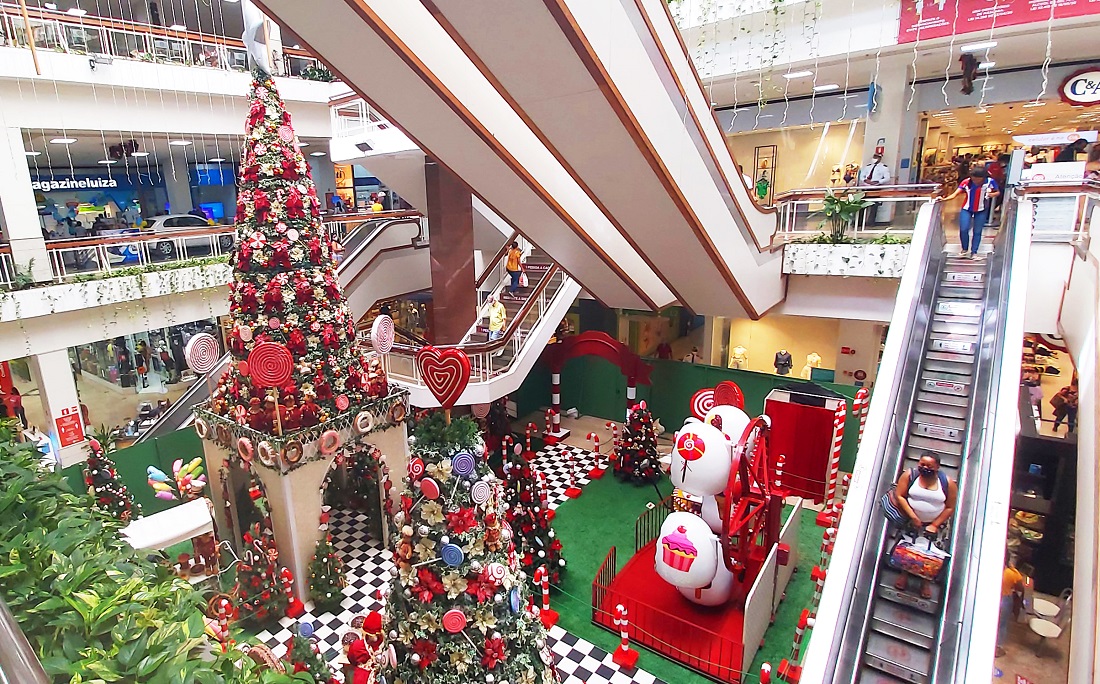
column 894, row 212
column 1061, row 211
column 86, row 256
column 122, row 39
column 355, row 117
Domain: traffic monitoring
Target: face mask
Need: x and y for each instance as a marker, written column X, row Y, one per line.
column 926, row 471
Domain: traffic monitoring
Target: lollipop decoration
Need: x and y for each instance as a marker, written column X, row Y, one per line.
column 702, row 402
column 480, row 492
column 381, row 334
column 202, row 352
column 188, row 480
column 446, row 373
column 463, row 464
column 480, row 411
column 727, row 393
column 270, row 364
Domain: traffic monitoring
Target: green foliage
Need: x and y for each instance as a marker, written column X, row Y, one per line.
column 840, row 211
column 326, row 575
column 23, row 277
column 303, row 658
column 888, row 239
column 318, row 72
column 434, row 434
column 94, row 609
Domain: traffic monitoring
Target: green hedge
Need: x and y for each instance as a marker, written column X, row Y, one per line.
column 597, row 388
column 93, row 609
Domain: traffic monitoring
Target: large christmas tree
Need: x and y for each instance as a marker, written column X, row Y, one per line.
column 284, row 287
column 529, row 518
column 458, row 611
column 637, row 457
column 101, row 477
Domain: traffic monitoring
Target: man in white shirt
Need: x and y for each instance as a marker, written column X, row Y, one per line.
column 875, row 173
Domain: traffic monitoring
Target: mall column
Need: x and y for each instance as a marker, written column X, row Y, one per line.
column 18, row 210
column 177, row 182
column 53, row 373
column 451, row 222
column 892, row 125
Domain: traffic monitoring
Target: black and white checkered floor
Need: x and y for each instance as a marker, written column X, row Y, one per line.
column 367, row 566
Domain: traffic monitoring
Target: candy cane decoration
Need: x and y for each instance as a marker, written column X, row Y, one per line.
column 597, row 469
column 861, row 405
column 827, row 541
column 766, row 673
column 614, row 427
column 818, row 576
column 834, row 465
column 574, row 491
column 549, row 421
column 845, row 485
column 624, row 656
column 549, row 617
column 223, row 623
column 531, row 427
column 294, row 608
column 780, row 462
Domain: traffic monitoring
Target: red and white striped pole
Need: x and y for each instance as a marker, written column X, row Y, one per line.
column 790, row 670
column 827, row 541
column 555, row 403
column 548, row 617
column 860, row 406
column 827, row 516
column 574, row 491
column 223, row 624
column 818, row 576
column 624, row 656
column 549, row 422
column 845, row 484
column 531, row 428
column 766, row 673
column 614, row 427
column 598, row 469
column 544, row 498
column 780, row 462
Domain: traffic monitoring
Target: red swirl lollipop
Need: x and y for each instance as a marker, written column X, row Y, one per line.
column 202, row 352
column 270, row 364
column 454, row 621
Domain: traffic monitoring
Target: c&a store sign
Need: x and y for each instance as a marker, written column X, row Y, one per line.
column 1081, row 87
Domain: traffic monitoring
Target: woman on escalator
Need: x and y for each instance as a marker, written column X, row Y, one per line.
column 927, row 497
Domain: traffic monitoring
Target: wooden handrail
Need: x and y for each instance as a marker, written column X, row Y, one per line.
column 496, row 259
column 367, row 216
column 870, row 192
column 513, row 327
column 43, row 14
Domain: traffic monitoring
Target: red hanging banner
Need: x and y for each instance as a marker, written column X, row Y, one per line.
column 939, row 19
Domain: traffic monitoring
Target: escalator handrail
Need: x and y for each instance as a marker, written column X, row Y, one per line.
column 837, row 613
column 18, row 661
column 491, row 266
column 381, row 228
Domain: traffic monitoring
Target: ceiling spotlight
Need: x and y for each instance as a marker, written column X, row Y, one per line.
column 177, row 27
column 978, row 47
column 303, row 144
column 50, row 6
column 31, row 153
column 107, row 161
column 62, row 141
column 179, row 143
column 798, row 74
column 76, row 12
column 139, row 154
column 826, row 88
column 217, row 160
column 987, row 65
column 316, row 154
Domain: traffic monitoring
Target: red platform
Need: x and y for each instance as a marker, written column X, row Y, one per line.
column 707, row 640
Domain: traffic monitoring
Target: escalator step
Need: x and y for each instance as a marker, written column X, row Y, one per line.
column 913, row 453
column 902, row 622
column 960, row 378
column 937, row 445
column 937, row 419
column 910, row 597
column 936, row 386
column 961, row 292
column 953, row 346
column 947, row 399
column 911, row 663
column 938, row 409
column 947, row 434
column 950, row 356
column 958, row 308
column 869, row 676
column 956, row 328
column 944, row 318
column 948, row 366
column 963, row 266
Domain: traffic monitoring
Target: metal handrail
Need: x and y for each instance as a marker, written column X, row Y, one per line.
column 915, row 190
column 501, row 253
column 18, row 662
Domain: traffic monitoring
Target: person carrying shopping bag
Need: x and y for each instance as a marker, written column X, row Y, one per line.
column 514, row 266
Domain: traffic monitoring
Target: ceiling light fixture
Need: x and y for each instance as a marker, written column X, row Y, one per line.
column 31, row 153
column 217, row 160
column 76, row 12
column 798, row 74
column 987, row 65
column 107, row 161
column 826, row 88
column 139, row 154
column 303, row 144
column 177, row 27
column 179, row 143
column 62, row 141
column 978, row 47
column 316, row 154
column 50, row 6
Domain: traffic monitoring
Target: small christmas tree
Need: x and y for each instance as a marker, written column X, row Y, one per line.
column 638, row 459
column 304, row 656
column 526, row 513
column 258, row 581
column 458, row 611
column 326, row 575
column 104, row 485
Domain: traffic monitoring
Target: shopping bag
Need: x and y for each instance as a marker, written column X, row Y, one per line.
column 890, row 508
column 523, row 279
column 918, row 556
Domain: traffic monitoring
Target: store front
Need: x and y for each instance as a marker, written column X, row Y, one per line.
column 70, row 203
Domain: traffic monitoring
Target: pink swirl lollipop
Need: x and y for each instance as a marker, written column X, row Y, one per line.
column 202, row 352
column 416, row 468
column 381, row 334
column 480, row 410
column 480, row 492
column 342, row 402
column 454, row 621
column 270, row 364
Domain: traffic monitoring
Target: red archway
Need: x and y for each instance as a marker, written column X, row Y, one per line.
column 591, row 343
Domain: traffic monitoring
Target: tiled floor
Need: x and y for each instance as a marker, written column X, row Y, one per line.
column 368, row 566
column 1021, row 665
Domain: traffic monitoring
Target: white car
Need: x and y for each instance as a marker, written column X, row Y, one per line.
column 176, row 226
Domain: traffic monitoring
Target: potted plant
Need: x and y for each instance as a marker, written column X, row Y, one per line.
column 840, row 211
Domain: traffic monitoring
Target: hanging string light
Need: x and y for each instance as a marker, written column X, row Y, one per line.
column 985, row 78
column 1047, row 57
column 950, row 56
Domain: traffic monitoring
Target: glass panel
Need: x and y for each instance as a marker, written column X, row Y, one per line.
column 81, row 39
column 46, row 33
column 169, row 49
column 238, row 59
column 126, row 44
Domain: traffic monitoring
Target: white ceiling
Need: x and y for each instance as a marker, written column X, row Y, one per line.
column 90, row 148
column 1017, row 46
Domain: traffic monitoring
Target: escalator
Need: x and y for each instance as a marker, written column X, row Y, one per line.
column 949, row 377
column 382, row 258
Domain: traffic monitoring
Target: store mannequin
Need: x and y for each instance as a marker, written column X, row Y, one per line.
column 739, row 358
column 783, row 362
column 813, row 360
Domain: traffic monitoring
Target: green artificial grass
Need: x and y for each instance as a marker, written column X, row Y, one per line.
column 604, row 517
